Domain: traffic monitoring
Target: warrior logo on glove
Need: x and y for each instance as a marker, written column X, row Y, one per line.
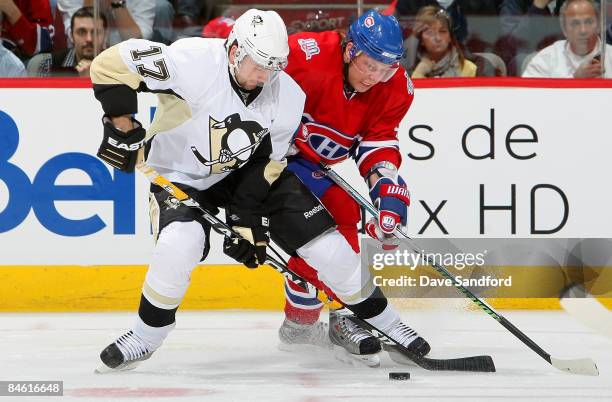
column 232, row 142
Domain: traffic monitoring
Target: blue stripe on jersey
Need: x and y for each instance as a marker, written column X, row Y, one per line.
column 363, row 150
column 303, row 301
column 310, row 175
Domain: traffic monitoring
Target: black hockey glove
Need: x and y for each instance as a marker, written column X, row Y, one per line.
column 251, row 249
column 120, row 149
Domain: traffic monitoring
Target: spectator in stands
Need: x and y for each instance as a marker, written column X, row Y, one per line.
column 405, row 9
column 27, row 26
column 162, row 24
column 219, row 27
column 187, row 20
column 10, row 65
column 578, row 55
column 512, row 12
column 438, row 53
column 527, row 26
column 127, row 18
column 74, row 61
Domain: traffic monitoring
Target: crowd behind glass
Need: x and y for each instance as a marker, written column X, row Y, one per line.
column 443, row 38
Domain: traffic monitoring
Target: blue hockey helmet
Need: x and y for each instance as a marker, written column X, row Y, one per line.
column 379, row 36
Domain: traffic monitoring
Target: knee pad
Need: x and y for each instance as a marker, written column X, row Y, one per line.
column 338, row 266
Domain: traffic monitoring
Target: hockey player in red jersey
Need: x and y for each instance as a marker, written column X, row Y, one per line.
column 356, row 96
column 26, row 27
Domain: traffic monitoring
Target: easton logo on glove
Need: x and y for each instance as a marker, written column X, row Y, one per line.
column 122, row 145
column 120, row 149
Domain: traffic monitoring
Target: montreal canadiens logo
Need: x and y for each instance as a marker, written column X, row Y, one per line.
column 318, row 174
column 388, row 223
column 369, row 21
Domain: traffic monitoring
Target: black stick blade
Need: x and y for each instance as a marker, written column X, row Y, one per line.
column 482, row 364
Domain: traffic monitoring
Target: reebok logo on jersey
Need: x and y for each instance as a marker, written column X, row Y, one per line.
column 312, row 212
column 310, row 47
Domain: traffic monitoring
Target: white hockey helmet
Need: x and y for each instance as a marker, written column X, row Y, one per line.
column 262, row 35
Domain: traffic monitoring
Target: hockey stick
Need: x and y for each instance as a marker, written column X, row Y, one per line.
column 584, row 366
column 473, row 363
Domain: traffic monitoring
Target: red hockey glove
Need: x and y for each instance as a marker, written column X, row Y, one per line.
column 392, row 199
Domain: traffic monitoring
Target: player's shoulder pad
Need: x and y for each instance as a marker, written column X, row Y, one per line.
column 198, row 63
column 289, row 87
column 290, row 103
column 402, row 86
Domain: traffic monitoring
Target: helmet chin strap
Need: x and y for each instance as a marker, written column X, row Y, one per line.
column 233, row 69
column 349, row 91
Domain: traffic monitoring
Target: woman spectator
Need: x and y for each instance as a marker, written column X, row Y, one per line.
column 438, row 51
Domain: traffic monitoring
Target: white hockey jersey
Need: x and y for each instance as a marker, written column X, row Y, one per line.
column 202, row 130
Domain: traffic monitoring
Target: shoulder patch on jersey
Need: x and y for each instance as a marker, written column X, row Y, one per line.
column 309, row 46
column 410, row 84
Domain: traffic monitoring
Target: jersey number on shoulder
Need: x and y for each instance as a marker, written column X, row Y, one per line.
column 161, row 73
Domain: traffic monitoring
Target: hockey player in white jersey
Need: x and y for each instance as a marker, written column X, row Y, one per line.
column 225, row 118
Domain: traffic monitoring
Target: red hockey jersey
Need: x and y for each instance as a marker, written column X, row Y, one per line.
column 32, row 33
column 367, row 122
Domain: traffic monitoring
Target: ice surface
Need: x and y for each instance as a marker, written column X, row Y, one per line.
column 233, row 356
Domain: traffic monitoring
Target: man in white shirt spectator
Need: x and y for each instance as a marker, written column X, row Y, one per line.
column 127, row 18
column 579, row 55
column 10, row 65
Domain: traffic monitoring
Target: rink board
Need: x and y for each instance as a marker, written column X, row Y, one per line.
column 74, row 235
column 118, row 288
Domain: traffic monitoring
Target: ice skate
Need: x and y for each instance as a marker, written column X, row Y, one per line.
column 353, row 342
column 294, row 336
column 125, row 353
column 409, row 338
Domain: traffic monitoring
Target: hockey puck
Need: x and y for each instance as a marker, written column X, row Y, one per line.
column 399, row 376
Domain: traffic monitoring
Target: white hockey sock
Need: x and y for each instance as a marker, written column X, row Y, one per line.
column 152, row 336
column 385, row 320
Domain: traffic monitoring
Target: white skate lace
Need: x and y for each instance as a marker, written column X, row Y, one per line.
column 354, row 333
column 403, row 334
column 131, row 346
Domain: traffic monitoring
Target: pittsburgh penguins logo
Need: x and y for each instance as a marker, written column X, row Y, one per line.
column 257, row 20
column 172, row 203
column 232, row 142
